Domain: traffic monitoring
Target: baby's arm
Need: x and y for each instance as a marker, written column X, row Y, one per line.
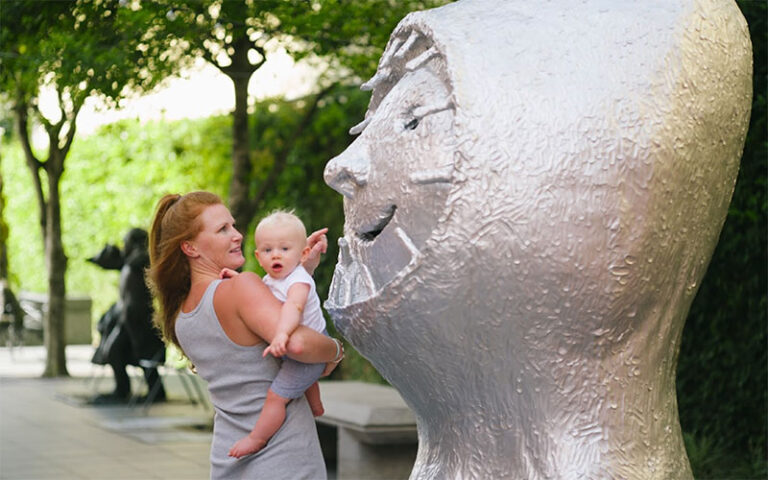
column 290, row 317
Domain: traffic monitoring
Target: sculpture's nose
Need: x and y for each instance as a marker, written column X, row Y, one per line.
column 349, row 170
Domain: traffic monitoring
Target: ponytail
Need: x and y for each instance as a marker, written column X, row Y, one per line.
column 176, row 220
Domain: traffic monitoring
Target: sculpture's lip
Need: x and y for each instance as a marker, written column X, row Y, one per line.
column 369, row 232
column 352, row 285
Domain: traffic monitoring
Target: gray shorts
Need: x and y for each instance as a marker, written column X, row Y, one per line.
column 294, row 378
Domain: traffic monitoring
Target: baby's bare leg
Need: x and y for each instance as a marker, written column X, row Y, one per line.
column 271, row 418
column 313, row 397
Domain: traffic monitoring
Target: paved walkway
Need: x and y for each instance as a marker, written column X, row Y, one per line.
column 48, row 432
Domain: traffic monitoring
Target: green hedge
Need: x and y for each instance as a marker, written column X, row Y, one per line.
column 111, row 183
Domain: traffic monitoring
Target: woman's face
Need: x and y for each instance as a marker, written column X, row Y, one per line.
column 218, row 243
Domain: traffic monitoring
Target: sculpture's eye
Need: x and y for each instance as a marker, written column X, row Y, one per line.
column 412, row 124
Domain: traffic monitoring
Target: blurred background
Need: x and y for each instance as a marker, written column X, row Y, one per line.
column 106, row 106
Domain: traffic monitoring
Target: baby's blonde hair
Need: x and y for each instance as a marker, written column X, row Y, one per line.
column 282, row 217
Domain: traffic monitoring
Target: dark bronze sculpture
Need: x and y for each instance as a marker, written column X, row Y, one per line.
column 12, row 320
column 128, row 336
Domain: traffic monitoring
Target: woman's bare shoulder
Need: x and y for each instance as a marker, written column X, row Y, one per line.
column 245, row 285
column 247, row 298
column 240, row 305
column 245, row 280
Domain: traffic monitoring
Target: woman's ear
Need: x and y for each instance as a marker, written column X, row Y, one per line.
column 189, row 249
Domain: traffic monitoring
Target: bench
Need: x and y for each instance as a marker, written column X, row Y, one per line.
column 77, row 316
column 375, row 430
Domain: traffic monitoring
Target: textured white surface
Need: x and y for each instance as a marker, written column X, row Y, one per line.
column 532, row 201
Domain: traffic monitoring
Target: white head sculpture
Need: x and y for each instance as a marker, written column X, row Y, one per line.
column 531, row 204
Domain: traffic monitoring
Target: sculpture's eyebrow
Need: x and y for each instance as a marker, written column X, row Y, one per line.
column 393, row 50
column 360, row 127
column 424, row 110
column 380, row 76
column 417, row 62
column 418, row 113
column 394, row 63
column 400, row 50
column 431, row 176
column 397, row 50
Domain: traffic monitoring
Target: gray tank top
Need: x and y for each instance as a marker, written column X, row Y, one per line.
column 238, row 378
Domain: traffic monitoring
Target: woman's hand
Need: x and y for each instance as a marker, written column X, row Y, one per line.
column 318, row 244
column 331, row 366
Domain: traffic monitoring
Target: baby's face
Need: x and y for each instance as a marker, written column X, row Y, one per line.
column 279, row 249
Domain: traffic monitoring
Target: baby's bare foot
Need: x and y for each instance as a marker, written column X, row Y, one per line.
column 247, row 446
column 317, row 409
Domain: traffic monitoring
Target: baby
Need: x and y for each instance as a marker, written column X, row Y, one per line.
column 281, row 246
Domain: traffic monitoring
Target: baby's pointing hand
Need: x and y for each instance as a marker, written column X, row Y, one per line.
column 278, row 347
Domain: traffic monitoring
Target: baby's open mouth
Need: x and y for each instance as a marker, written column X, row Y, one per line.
column 369, row 234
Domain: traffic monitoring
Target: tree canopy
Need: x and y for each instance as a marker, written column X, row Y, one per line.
column 237, row 36
column 75, row 49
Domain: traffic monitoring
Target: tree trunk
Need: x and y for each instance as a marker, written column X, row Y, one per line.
column 50, row 226
column 239, row 198
column 56, row 263
column 22, row 127
column 281, row 155
column 3, row 235
column 50, row 223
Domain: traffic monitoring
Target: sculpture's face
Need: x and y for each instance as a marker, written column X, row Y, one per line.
column 395, row 177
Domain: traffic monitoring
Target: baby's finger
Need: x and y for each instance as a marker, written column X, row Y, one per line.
column 317, row 236
column 320, row 247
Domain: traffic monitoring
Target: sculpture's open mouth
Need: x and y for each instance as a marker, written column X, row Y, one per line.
column 371, row 255
column 369, row 233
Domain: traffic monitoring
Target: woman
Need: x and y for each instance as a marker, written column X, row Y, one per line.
column 223, row 326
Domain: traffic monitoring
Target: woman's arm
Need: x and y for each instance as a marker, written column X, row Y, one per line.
column 253, row 303
column 247, row 301
column 309, row 346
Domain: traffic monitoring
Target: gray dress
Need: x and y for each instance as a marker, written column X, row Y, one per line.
column 238, row 378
